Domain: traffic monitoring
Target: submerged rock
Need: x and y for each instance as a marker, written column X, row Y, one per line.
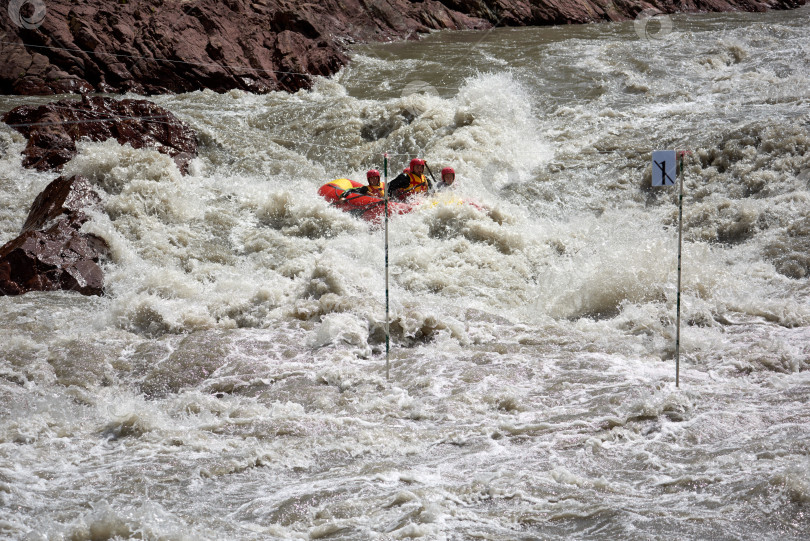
column 53, row 129
column 51, row 252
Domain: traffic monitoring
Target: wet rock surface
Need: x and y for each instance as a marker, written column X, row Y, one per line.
column 52, row 253
column 53, row 129
column 159, row 46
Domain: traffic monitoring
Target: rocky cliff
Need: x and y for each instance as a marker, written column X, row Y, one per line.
column 158, row 46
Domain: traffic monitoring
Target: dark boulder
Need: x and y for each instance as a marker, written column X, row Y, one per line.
column 51, row 252
column 53, row 129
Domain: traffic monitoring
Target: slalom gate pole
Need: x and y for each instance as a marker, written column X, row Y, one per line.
column 387, row 327
column 678, row 302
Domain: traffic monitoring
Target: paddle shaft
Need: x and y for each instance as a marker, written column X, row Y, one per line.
column 431, row 174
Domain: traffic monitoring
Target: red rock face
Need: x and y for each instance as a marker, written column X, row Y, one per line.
column 159, row 46
column 51, row 253
column 53, row 129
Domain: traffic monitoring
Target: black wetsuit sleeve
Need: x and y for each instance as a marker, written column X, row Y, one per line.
column 360, row 190
column 402, row 181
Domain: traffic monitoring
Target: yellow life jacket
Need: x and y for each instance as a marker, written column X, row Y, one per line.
column 377, row 191
column 418, row 184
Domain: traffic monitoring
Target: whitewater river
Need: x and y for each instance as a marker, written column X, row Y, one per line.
column 231, row 384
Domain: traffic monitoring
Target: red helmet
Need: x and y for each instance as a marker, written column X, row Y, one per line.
column 448, row 170
column 416, row 161
column 372, row 173
column 406, row 170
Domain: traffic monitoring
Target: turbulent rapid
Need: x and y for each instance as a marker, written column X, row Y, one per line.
column 231, row 383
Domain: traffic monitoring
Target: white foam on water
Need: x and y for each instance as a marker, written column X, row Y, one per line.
column 231, row 382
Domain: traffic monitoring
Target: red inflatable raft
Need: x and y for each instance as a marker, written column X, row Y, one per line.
column 368, row 207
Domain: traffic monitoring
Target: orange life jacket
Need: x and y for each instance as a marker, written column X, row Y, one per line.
column 418, row 184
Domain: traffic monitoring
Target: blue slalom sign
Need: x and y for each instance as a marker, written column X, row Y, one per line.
column 664, row 168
